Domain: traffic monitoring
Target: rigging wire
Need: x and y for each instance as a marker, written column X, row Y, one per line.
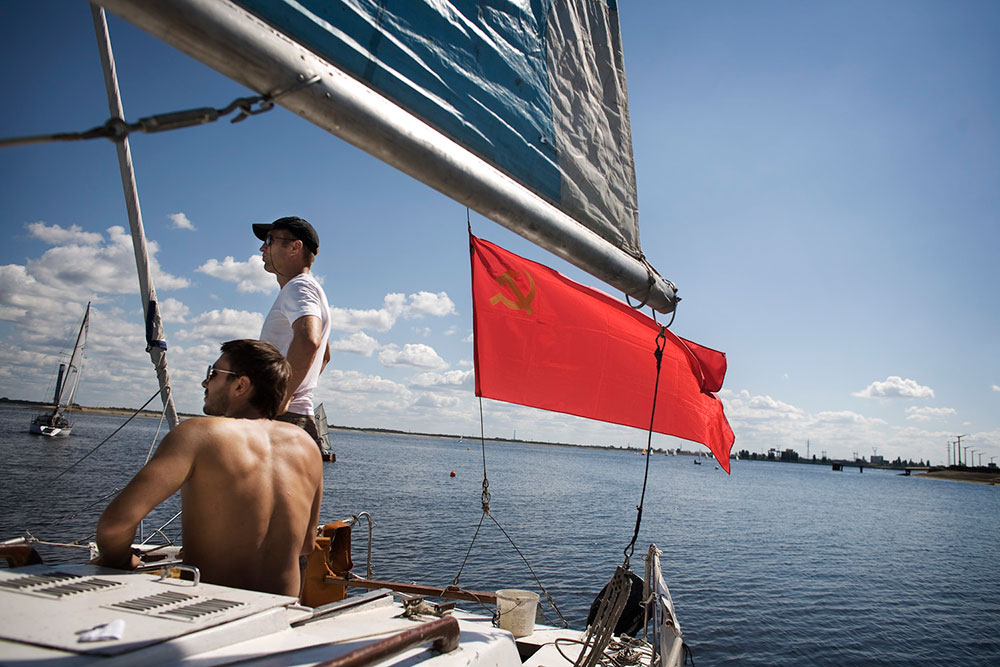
column 159, row 425
column 486, row 512
column 116, row 129
column 149, row 455
column 102, row 442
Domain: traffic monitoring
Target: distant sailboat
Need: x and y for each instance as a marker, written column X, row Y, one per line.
column 323, row 427
column 55, row 423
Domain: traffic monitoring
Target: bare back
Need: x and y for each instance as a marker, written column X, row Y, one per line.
column 251, row 502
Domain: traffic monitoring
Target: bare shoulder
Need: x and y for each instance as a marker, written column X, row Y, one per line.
column 200, row 426
column 294, row 438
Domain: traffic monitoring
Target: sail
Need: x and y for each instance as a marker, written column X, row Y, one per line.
column 71, row 376
column 518, row 110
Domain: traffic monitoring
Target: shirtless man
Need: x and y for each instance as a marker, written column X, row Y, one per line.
column 250, row 486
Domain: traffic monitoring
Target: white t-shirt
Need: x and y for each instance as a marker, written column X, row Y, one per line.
column 300, row 296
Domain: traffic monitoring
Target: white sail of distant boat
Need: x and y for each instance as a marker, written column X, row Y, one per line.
column 56, row 422
column 323, row 428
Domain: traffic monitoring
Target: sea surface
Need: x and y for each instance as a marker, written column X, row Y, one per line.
column 776, row 564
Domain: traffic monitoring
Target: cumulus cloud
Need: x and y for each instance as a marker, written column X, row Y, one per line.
column 353, row 382
column 927, row 414
column 180, row 221
column 895, row 387
column 427, row 303
column 996, row 387
column 57, row 235
column 249, row 276
column 758, row 407
column 81, row 266
column 457, row 379
column 222, row 325
column 172, row 310
column 357, row 343
column 417, row 355
column 394, row 307
column 846, row 418
column 437, row 401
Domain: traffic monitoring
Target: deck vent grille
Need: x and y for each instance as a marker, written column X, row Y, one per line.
column 33, row 580
column 153, row 602
column 201, row 608
column 81, row 586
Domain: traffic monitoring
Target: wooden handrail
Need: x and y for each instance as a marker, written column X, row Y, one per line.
column 450, row 592
column 443, row 631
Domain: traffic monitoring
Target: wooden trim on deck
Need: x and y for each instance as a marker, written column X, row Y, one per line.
column 444, row 632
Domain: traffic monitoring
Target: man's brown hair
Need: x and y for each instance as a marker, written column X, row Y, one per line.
column 267, row 370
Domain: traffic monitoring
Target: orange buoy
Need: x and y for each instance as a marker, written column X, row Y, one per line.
column 452, row 473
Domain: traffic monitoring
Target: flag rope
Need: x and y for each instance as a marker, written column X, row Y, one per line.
column 661, row 340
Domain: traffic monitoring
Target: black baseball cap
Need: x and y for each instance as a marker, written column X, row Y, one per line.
column 296, row 226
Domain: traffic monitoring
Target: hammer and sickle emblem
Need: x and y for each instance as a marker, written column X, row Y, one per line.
column 520, row 301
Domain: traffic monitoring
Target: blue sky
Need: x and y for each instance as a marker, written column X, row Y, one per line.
column 818, row 179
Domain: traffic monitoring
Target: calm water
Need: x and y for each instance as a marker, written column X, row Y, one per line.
column 778, row 564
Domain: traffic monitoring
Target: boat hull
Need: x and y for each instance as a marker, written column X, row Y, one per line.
column 49, row 431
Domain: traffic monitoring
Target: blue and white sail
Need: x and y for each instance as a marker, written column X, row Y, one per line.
column 515, row 108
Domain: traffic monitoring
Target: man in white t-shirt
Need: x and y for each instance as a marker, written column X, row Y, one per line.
column 299, row 321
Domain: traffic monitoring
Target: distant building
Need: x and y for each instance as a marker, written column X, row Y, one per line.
column 877, row 459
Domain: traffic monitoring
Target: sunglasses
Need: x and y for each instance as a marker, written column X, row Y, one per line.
column 212, row 370
column 269, row 238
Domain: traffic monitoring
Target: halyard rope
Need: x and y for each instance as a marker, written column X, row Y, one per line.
column 660, row 343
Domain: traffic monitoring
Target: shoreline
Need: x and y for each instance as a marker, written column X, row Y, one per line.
column 973, row 476
column 990, row 478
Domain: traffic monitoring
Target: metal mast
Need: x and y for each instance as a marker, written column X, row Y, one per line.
column 155, row 343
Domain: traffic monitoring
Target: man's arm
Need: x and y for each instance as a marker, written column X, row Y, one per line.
column 310, row 542
column 307, row 334
column 326, row 357
column 165, row 473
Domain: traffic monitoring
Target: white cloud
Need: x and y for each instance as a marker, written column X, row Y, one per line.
column 895, row 387
column 81, row 267
column 846, row 418
column 437, row 401
column 417, row 355
column 249, row 276
column 357, row 343
column 427, row 303
column 927, row 414
column 394, row 307
column 996, row 387
column 172, row 310
column 180, row 221
column 463, row 379
column 57, row 235
column 760, row 407
column 222, row 325
column 354, row 382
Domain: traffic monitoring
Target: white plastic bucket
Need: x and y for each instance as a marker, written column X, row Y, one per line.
column 517, row 611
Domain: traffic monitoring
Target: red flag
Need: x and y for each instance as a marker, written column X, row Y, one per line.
column 547, row 342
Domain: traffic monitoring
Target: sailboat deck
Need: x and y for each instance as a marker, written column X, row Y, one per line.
column 172, row 621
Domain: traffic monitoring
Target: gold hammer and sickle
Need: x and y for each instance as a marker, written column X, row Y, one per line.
column 522, row 301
